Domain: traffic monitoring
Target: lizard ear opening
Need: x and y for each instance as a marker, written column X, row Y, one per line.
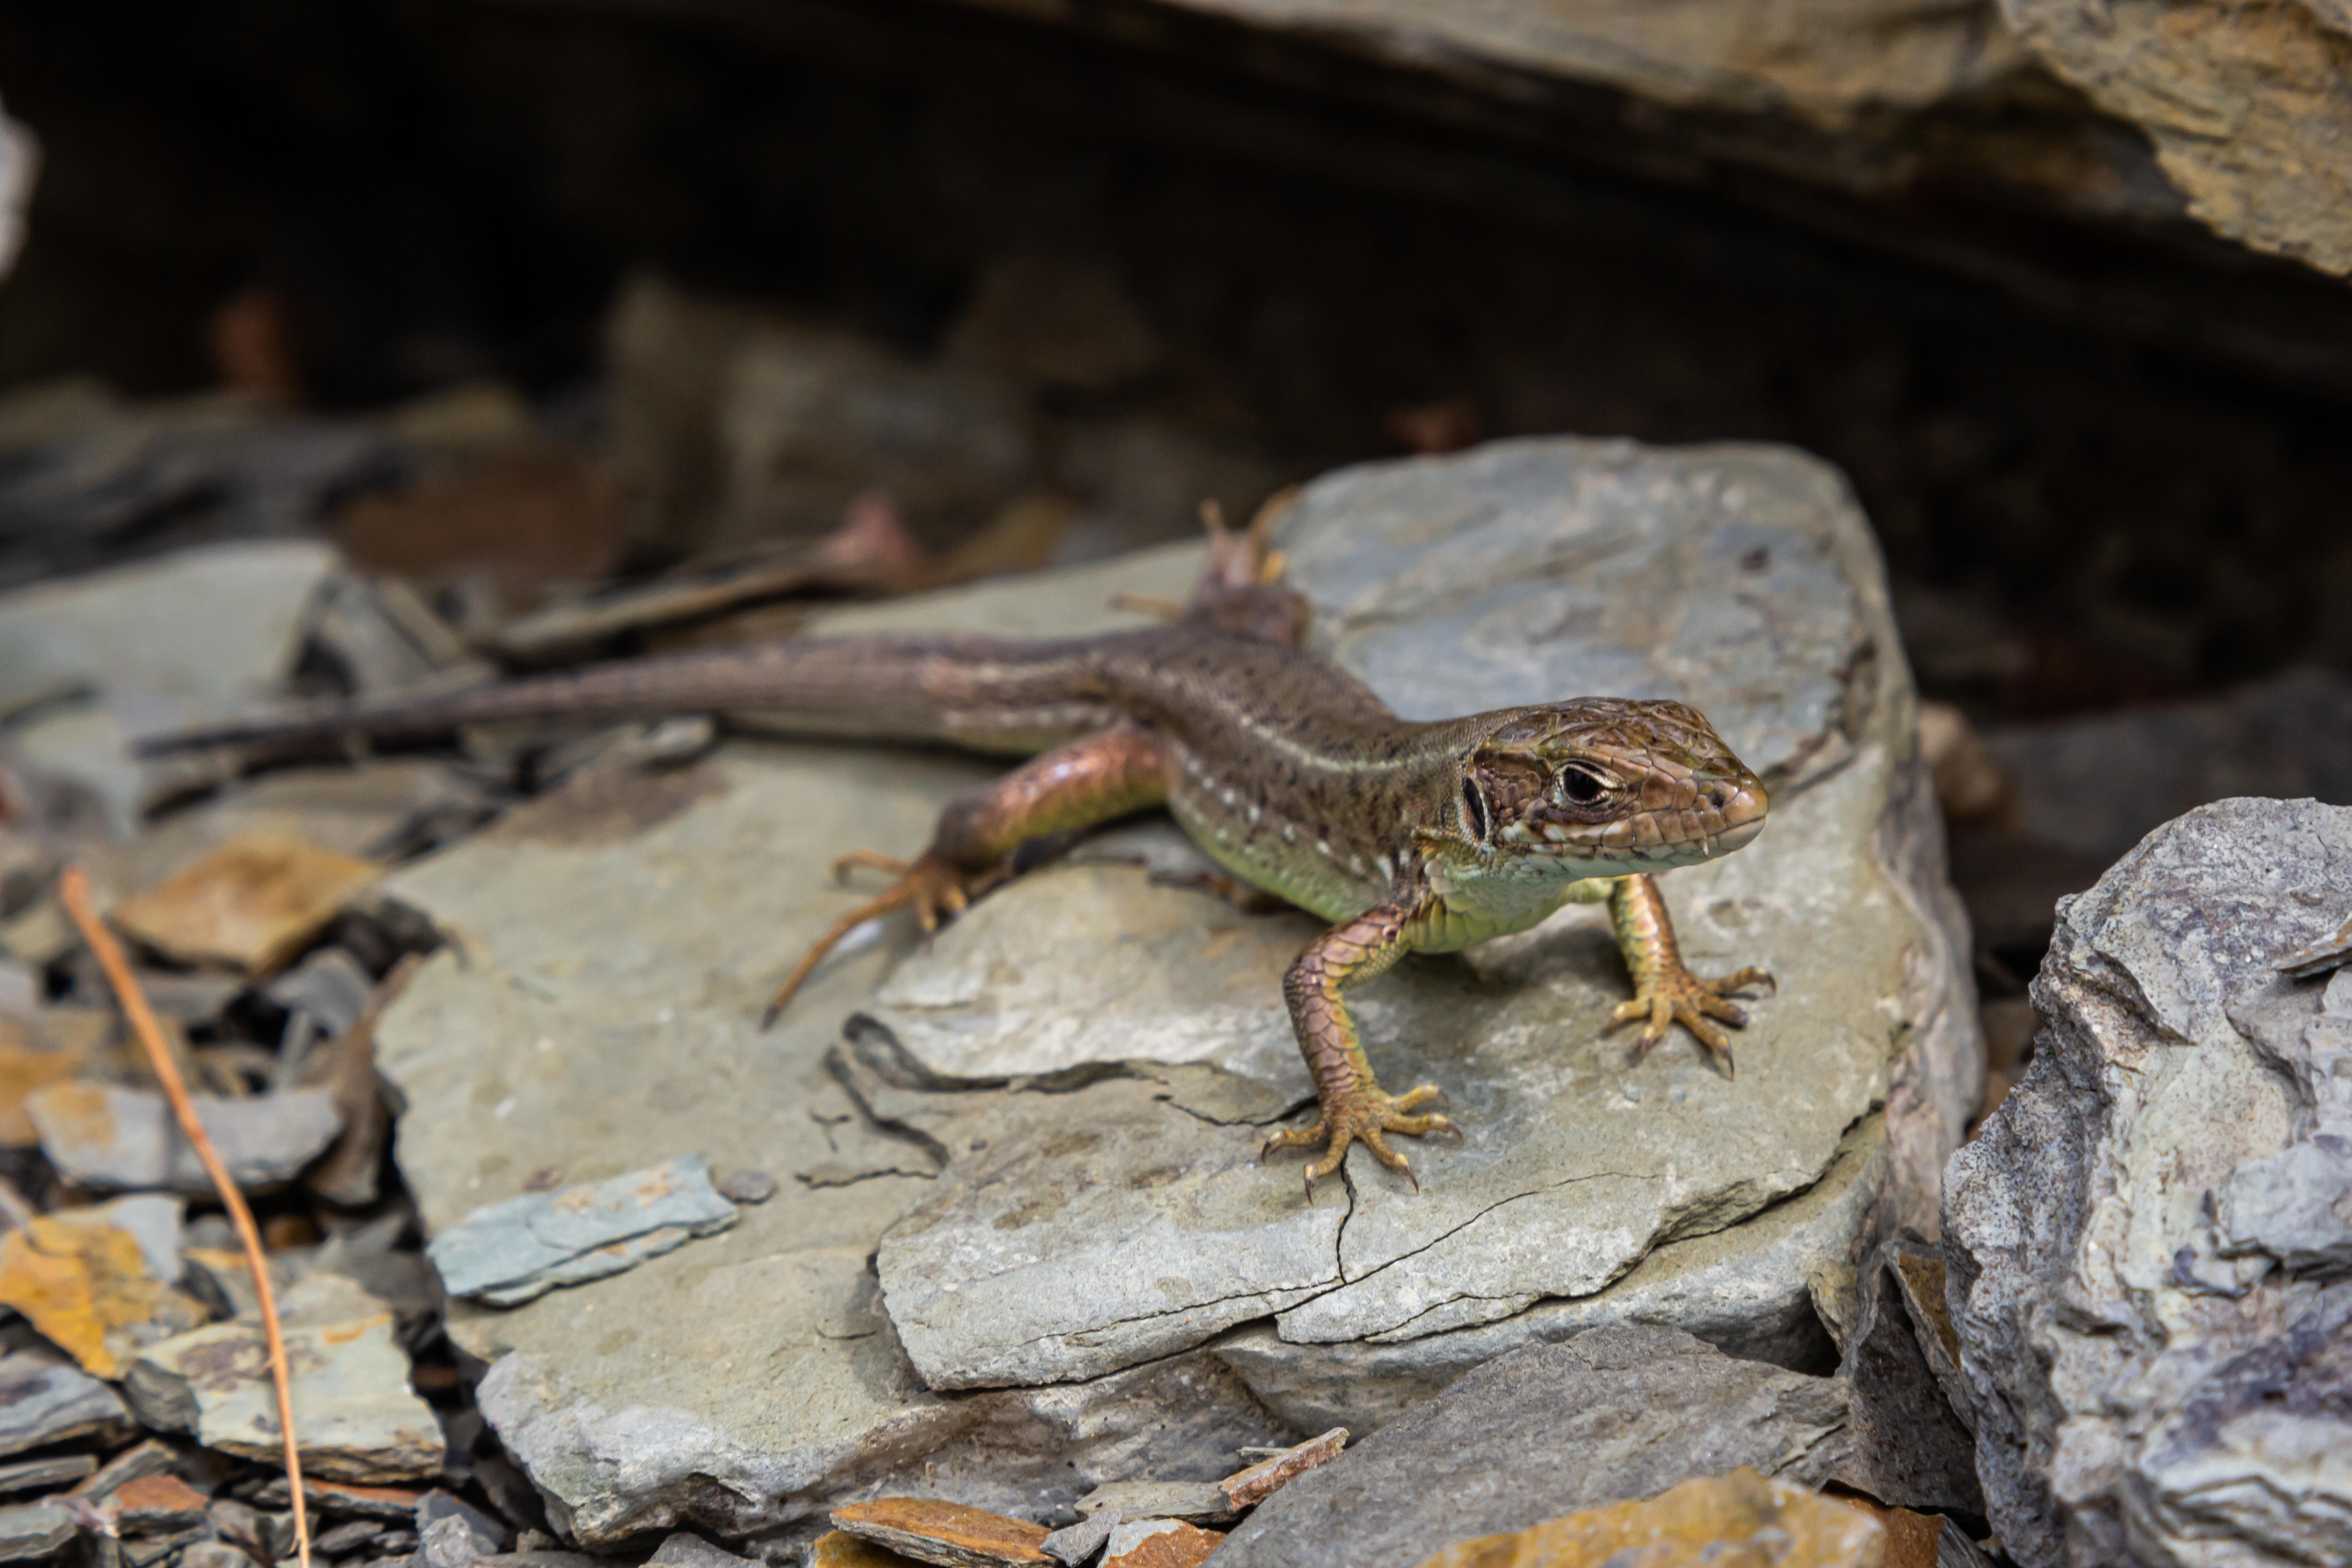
column 1475, row 820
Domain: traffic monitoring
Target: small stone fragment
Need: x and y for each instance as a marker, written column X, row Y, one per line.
column 149, row 1458
column 86, row 1287
column 686, row 1549
column 29, row 1064
column 113, row 1138
column 1197, row 1502
column 1919, row 1540
column 158, row 1505
column 1743, row 1519
column 1078, row 1543
column 45, row 1400
column 345, row 1538
column 946, row 1534
column 446, row 1543
column 392, row 1504
column 30, row 1530
column 489, row 1535
column 839, row 1549
column 215, row 1554
column 1159, row 1543
column 153, row 1219
column 361, row 1421
column 1247, row 1489
column 749, row 1186
column 33, row 1475
column 510, row 1252
column 253, row 902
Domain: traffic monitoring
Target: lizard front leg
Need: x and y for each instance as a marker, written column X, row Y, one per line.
column 1092, row 779
column 1355, row 1108
column 1665, row 992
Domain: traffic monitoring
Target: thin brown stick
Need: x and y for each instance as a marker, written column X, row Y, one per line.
column 73, row 892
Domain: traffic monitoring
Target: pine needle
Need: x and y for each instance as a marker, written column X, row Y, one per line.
column 73, row 892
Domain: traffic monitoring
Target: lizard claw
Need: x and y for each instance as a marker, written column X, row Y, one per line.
column 935, row 890
column 1364, row 1118
column 1678, row 997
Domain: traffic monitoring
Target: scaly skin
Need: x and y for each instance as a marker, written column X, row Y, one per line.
column 1410, row 837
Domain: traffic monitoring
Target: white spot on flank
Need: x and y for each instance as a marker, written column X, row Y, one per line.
column 506, row 1108
column 1289, row 834
column 1323, row 847
column 1253, row 814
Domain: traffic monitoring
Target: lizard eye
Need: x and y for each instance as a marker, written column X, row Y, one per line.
column 1581, row 784
column 1474, row 810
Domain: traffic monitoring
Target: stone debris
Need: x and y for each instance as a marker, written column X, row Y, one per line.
column 1159, row 1543
column 1618, row 1412
column 33, row 1531
column 947, row 1533
column 683, row 1550
column 1911, row 1448
column 485, row 1536
column 1201, row 1503
column 33, row 1057
column 252, row 903
column 155, row 1505
column 135, row 1463
column 1247, row 1489
column 359, row 1419
column 1921, row 1540
column 152, row 1220
column 215, row 1554
column 65, row 641
column 507, row 1253
column 1740, row 1519
column 42, row 1475
column 748, row 1187
column 46, row 1400
column 382, row 1503
column 88, row 1289
column 2155, row 1375
column 839, row 1549
column 1076, row 1543
column 110, row 1139
column 347, row 1537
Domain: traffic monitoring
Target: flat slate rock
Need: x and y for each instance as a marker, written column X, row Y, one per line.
column 34, row 1530
column 360, row 1421
column 946, row 1534
column 108, row 1138
column 1122, row 1222
column 597, row 1010
column 1616, row 1413
column 45, row 1399
column 510, row 1252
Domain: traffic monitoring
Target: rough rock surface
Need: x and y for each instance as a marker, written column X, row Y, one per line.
column 2159, row 1369
column 598, row 1009
column 1620, row 1412
column 1822, row 58
column 1094, row 1226
column 2250, row 106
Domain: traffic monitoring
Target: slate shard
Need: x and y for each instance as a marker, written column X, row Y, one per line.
column 510, row 1252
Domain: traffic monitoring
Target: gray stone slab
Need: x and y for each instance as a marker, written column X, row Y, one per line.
column 2153, row 1335
column 358, row 1418
column 1739, row 579
column 45, row 1399
column 142, row 656
column 32, row 1530
column 1617, row 1413
column 507, row 1253
column 108, row 1138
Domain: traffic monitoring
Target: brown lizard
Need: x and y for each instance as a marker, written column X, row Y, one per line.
column 1287, row 770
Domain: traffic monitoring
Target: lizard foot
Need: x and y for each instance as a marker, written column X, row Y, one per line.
column 935, row 890
column 1675, row 995
column 1363, row 1118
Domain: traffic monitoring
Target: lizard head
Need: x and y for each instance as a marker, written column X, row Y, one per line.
column 1599, row 787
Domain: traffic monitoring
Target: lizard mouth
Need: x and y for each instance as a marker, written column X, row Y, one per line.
column 1711, row 820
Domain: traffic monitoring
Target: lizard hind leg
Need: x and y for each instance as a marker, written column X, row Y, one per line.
column 935, row 890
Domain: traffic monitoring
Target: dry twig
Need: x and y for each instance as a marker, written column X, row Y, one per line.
column 73, row 892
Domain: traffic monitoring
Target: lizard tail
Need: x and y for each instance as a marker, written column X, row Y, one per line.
column 1031, row 694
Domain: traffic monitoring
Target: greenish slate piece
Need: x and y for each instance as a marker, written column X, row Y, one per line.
column 510, row 1252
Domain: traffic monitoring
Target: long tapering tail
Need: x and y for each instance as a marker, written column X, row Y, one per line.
column 993, row 693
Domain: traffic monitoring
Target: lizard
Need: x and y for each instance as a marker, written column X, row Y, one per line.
column 1287, row 770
